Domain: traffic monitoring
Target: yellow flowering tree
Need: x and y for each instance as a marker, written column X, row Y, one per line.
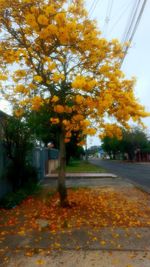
column 52, row 54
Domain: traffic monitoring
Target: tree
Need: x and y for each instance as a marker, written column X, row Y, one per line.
column 132, row 140
column 38, row 122
column 73, row 150
column 111, row 145
column 18, row 142
column 52, row 53
column 41, row 128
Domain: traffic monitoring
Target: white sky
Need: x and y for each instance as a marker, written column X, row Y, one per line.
column 137, row 60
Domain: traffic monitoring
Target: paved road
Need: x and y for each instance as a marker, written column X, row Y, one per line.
column 138, row 173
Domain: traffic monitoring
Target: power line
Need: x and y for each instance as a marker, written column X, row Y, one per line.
column 134, row 29
column 91, row 7
column 130, row 16
column 108, row 15
column 126, row 7
column 132, row 23
column 91, row 10
column 133, row 17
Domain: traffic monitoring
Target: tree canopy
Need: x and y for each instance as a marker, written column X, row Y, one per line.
column 131, row 142
column 52, row 54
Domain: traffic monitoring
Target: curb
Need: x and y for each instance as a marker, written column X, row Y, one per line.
column 82, row 176
column 138, row 186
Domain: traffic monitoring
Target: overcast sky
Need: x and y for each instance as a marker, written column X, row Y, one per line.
column 137, row 60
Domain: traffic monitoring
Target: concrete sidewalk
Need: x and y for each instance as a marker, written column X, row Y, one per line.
column 79, row 247
column 106, row 239
column 83, row 179
column 83, row 175
column 107, row 247
column 84, row 259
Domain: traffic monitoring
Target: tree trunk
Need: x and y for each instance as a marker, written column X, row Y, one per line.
column 61, row 178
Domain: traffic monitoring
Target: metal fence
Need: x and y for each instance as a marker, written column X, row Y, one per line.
column 41, row 158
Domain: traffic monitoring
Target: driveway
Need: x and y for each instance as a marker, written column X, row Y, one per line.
column 137, row 173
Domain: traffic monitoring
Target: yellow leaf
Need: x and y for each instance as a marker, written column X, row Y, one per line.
column 40, row 262
column 29, row 254
column 21, row 232
column 103, row 243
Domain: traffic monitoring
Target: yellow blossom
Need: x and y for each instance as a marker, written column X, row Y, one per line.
column 43, row 20
column 52, row 29
column 85, row 123
column 44, row 33
column 50, row 10
column 78, row 117
column 20, row 88
column 55, row 98
column 68, row 109
column 60, row 18
column 30, row 19
column 32, row 86
column 81, row 143
column 66, row 122
column 37, row 102
column 20, row 73
column 3, row 77
column 38, row 78
column 67, row 140
column 51, row 66
column 90, row 131
column 57, row 77
column 19, row 112
column 59, row 109
column 79, row 82
column 112, row 130
column 54, row 120
column 68, row 134
column 79, row 99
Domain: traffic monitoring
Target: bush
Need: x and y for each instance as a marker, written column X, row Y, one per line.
column 13, row 199
column 21, row 176
column 18, row 143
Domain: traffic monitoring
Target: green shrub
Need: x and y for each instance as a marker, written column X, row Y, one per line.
column 21, row 176
column 13, row 199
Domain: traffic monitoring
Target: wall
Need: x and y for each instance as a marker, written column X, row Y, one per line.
column 53, row 160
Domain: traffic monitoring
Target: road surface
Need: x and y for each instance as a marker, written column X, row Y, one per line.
column 137, row 173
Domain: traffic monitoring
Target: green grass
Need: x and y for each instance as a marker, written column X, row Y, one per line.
column 83, row 166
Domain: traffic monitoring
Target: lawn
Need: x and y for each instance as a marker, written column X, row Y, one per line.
column 83, row 166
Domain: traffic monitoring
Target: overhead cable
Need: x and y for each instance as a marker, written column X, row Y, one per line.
column 125, row 8
column 134, row 30
column 108, row 15
column 93, row 7
column 132, row 20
